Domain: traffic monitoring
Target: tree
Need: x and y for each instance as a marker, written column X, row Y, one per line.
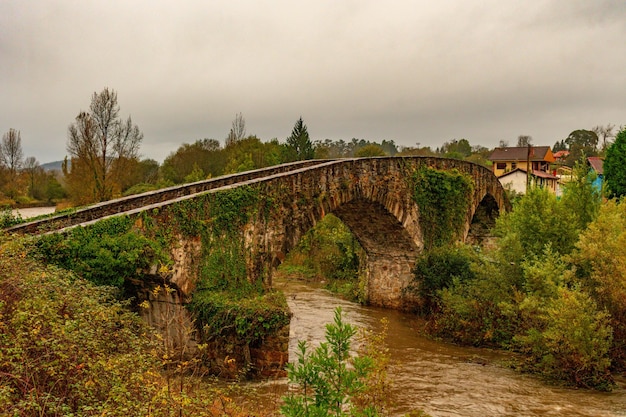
column 600, row 265
column 524, row 140
column 457, row 149
column 604, row 132
column 299, row 144
column 581, row 143
column 615, row 166
column 101, row 145
column 11, row 159
column 538, row 219
column 237, row 131
column 31, row 168
column 581, row 196
column 369, row 150
column 559, row 146
column 207, row 154
column 251, row 153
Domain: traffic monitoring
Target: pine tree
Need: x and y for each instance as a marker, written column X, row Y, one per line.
column 299, row 144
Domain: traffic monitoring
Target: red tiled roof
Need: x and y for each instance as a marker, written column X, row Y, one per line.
column 597, row 164
column 538, row 153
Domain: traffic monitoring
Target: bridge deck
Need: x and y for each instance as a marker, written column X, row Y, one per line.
column 151, row 199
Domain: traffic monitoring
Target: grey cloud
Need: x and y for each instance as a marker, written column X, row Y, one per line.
column 412, row 71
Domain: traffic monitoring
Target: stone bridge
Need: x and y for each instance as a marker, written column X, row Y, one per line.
column 372, row 196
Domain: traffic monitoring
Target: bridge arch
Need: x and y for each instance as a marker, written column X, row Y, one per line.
column 373, row 197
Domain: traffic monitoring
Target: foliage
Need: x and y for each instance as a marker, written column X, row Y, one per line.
column 615, row 166
column 206, row 154
column 600, row 267
column 478, row 312
column 299, row 145
column 106, row 253
column 572, row 340
column 7, row 219
column 537, row 219
column 70, row 348
column 568, row 322
column 250, row 153
column 67, row 347
column 341, row 149
column 580, row 196
column 369, row 151
column 330, row 252
column 140, row 188
column 248, row 318
column 457, row 149
column 377, row 393
column 581, row 143
column 438, row 269
column 443, row 198
column 325, row 381
column 206, row 158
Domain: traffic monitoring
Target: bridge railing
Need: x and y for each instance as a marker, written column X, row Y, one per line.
column 129, row 203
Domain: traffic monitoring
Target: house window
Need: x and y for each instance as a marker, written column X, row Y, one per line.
column 513, row 165
column 501, row 165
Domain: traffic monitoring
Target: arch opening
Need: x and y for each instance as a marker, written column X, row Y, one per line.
column 390, row 251
column 483, row 221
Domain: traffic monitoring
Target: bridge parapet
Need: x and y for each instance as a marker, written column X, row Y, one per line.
column 136, row 202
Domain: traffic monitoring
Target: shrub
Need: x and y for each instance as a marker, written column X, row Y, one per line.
column 325, row 381
column 436, row 270
column 600, row 266
column 67, row 347
column 106, row 253
column 537, row 219
column 7, row 219
column 571, row 342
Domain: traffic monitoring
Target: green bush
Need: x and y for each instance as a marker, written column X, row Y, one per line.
column 68, row 347
column 7, row 219
column 106, row 253
column 140, row 188
column 329, row 377
column 599, row 264
column 250, row 318
column 536, row 220
column 436, row 270
column 571, row 342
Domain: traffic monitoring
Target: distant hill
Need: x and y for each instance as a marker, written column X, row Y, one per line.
column 52, row 166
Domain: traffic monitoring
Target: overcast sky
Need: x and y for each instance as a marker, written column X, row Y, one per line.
column 418, row 71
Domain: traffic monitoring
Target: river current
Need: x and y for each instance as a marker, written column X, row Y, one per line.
column 442, row 379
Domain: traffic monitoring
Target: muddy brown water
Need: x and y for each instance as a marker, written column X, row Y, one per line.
column 29, row 212
column 439, row 378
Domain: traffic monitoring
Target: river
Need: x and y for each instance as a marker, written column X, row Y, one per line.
column 29, row 212
column 442, row 379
